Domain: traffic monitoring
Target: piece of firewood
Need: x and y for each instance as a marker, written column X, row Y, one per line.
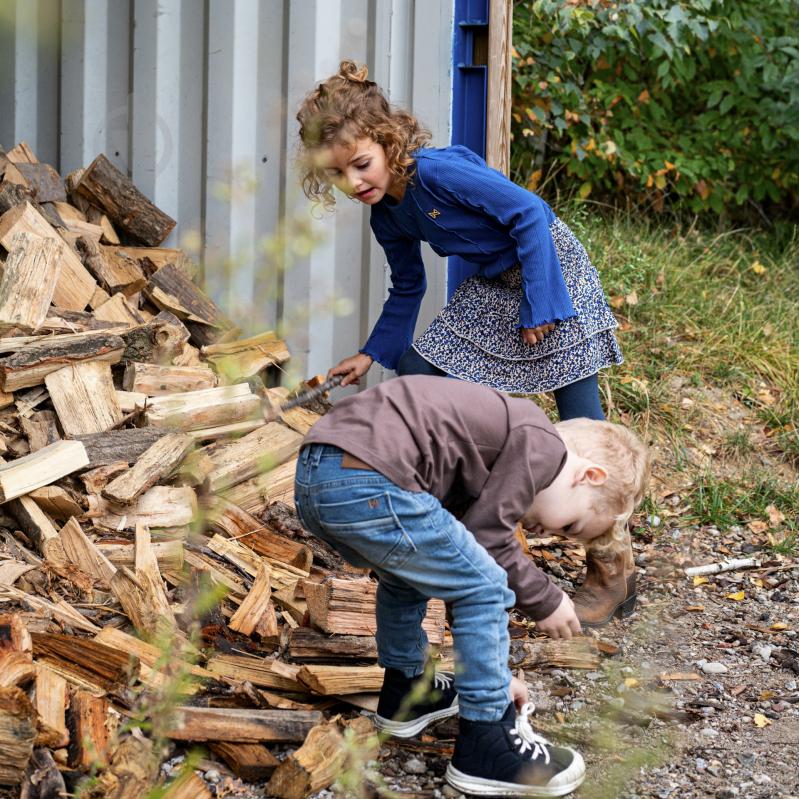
column 16, row 668
column 268, row 342
column 40, row 428
column 187, row 786
column 85, row 661
column 97, row 217
column 169, row 554
column 154, row 464
column 262, row 672
column 156, row 341
column 74, row 286
column 338, row 680
column 249, row 762
column 12, row 570
column 61, row 321
column 89, row 733
column 132, row 772
column 17, row 734
column 84, row 553
column 57, row 502
column 193, row 410
column 171, row 290
column 322, row 758
column 31, row 363
column 160, row 506
column 113, row 192
column 29, row 277
column 95, row 480
column 580, row 652
column 275, row 485
column 242, row 725
column 113, row 273
column 38, row 525
column 117, row 309
column 12, row 194
column 292, row 606
column 84, row 397
column 153, row 258
column 51, row 700
column 41, row 468
column 226, row 430
column 348, row 606
column 155, row 380
column 43, row 780
column 130, row 401
column 21, row 153
column 256, row 614
column 115, row 446
column 45, row 183
column 60, row 610
column 253, row 454
column 308, row 645
column 225, row 517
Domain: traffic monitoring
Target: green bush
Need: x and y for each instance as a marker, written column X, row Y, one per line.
column 693, row 104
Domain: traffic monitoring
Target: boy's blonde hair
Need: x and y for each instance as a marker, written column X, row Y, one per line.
column 624, row 457
column 347, row 107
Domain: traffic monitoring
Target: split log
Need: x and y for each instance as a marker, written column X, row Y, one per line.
column 84, row 553
column 29, row 277
column 43, row 780
column 86, row 662
column 130, row 401
column 322, row 758
column 580, row 652
column 276, row 485
column 113, row 192
column 242, row 725
column 193, row 410
column 169, row 554
column 44, row 182
column 156, row 463
column 238, row 360
column 89, row 733
column 225, row 517
column 308, row 645
column 293, row 607
column 51, row 699
column 31, row 363
column 60, row 610
column 151, row 259
column 115, row 446
column 253, row 454
column 17, row 734
column 119, row 310
column 155, row 380
column 61, row 321
column 261, row 672
column 41, row 468
column 216, row 572
column 161, row 507
column 249, row 762
column 226, row 430
column 41, row 429
column 57, row 502
column 16, row 669
column 12, row 194
column 35, row 522
column 157, row 341
column 348, row 606
column 341, row 680
column 21, row 153
column 12, row 570
column 113, row 273
column 187, row 786
column 256, row 614
column 97, row 217
column 84, row 397
column 75, row 286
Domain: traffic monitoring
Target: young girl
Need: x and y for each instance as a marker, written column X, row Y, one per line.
column 533, row 319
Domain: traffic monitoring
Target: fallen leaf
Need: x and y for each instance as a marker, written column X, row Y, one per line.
column 757, row 526
column 700, row 580
column 777, row 626
column 630, row 682
column 761, row 721
column 644, row 97
column 737, row 690
column 737, row 596
column 695, row 608
column 632, row 298
column 535, row 180
column 764, row 695
column 775, row 517
column 756, row 581
column 758, row 268
column 680, row 676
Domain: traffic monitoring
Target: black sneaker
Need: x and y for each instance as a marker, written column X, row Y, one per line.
column 402, row 714
column 507, row 758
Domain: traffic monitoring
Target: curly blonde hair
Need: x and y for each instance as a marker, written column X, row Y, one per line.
column 347, row 107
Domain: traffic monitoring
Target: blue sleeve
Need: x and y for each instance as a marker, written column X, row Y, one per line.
column 392, row 334
column 545, row 298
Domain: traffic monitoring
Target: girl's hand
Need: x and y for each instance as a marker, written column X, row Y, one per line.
column 535, row 335
column 518, row 692
column 353, row 369
column 562, row 622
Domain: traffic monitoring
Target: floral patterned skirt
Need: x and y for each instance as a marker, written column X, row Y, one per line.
column 475, row 336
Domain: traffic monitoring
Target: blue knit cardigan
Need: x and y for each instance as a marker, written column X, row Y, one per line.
column 461, row 206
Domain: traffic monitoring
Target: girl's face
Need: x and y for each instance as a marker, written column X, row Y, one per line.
column 359, row 170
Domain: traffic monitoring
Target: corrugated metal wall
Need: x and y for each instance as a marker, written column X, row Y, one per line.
column 195, row 99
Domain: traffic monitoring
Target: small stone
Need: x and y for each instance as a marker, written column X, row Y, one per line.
column 761, row 779
column 708, row 711
column 701, row 764
column 727, row 793
column 654, row 520
column 790, row 685
column 415, row 766
column 213, row 776
column 746, row 759
column 713, row 667
column 594, row 675
column 450, row 792
column 709, row 732
column 763, row 651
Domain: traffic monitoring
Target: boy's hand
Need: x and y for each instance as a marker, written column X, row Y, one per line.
column 562, row 623
column 518, row 692
column 535, row 335
column 353, row 369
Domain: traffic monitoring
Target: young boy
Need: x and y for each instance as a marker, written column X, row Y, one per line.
column 382, row 478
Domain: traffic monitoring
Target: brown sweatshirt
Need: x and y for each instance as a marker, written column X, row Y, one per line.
column 483, row 454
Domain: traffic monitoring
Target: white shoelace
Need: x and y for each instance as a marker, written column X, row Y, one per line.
column 442, row 680
column 527, row 737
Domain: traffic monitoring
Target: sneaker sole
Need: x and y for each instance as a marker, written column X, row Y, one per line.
column 407, row 729
column 480, row 786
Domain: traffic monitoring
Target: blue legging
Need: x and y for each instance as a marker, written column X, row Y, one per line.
column 577, row 399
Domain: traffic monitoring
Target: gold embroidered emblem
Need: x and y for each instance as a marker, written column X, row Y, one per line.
column 434, row 213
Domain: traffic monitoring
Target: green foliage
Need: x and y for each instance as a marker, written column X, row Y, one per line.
column 648, row 102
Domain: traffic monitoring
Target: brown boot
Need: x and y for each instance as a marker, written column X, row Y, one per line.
column 609, row 587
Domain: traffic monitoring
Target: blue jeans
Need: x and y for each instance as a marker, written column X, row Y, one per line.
column 418, row 551
column 580, row 398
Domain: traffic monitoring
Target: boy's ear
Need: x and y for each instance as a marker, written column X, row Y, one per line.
column 593, row 474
